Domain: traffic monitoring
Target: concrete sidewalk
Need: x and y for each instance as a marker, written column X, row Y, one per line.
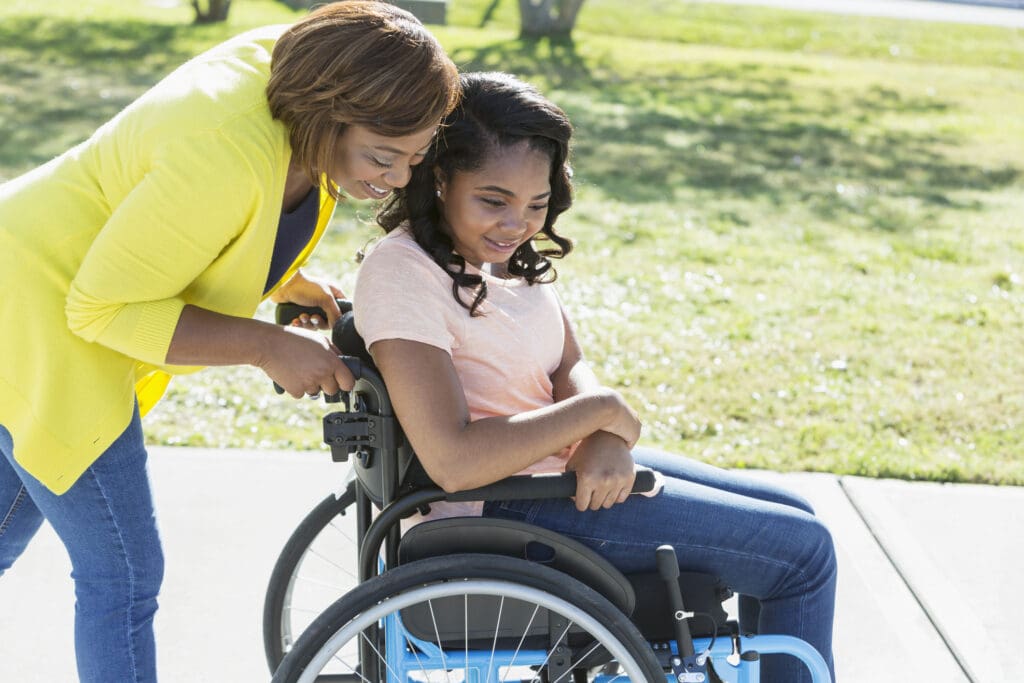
column 931, row 576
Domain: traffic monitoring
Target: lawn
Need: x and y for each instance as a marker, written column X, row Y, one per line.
column 799, row 236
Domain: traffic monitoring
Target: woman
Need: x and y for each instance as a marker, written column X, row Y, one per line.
column 146, row 249
column 455, row 303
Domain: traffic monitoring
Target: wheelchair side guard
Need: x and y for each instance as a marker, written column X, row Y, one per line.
column 459, row 535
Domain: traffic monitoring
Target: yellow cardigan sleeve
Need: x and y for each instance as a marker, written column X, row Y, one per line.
column 197, row 196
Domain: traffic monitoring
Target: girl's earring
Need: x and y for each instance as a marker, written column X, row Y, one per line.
column 438, row 193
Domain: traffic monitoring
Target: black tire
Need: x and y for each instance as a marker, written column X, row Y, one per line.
column 421, row 583
column 279, row 622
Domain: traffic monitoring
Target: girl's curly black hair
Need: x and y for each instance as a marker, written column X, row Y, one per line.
column 496, row 111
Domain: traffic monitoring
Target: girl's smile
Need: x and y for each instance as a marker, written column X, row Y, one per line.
column 492, row 211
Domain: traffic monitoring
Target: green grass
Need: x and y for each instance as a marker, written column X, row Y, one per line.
column 799, row 237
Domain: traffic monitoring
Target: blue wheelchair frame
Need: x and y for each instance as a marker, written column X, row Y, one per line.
column 404, row 662
column 369, row 432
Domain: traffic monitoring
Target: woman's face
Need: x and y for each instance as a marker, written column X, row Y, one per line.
column 368, row 165
column 493, row 210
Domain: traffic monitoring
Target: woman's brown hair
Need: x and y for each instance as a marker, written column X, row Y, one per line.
column 357, row 63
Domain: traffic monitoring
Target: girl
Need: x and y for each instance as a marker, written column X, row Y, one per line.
column 457, row 309
column 148, row 247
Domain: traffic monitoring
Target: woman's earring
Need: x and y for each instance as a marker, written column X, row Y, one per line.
column 438, row 193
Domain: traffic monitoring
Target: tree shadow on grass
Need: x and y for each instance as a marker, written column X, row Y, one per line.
column 61, row 79
column 746, row 131
column 754, row 132
column 552, row 62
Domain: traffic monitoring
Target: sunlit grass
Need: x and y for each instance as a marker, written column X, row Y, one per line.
column 797, row 247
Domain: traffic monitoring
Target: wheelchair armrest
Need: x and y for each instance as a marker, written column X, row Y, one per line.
column 538, row 486
column 522, row 487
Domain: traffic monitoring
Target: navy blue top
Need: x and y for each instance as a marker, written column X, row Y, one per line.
column 294, row 231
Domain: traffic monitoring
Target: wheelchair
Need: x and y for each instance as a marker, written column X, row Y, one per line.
column 476, row 600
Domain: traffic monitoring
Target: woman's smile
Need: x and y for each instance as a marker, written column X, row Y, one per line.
column 375, row 192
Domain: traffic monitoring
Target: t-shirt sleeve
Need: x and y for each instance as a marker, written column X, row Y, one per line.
column 400, row 294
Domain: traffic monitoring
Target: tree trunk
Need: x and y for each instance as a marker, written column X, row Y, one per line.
column 217, row 10
column 548, row 17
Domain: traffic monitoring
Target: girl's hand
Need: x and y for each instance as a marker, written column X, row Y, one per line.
column 303, row 362
column 604, row 471
column 310, row 291
column 625, row 422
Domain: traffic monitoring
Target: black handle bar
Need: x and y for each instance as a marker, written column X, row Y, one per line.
column 529, row 486
column 285, row 313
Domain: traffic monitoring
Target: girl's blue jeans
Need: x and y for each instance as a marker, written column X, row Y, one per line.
column 764, row 542
column 106, row 522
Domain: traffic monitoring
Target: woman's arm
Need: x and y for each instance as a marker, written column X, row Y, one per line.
column 460, row 454
column 299, row 361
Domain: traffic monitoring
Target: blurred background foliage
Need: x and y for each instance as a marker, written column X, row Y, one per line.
column 799, row 236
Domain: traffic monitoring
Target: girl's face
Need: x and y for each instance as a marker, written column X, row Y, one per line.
column 501, row 205
column 369, row 166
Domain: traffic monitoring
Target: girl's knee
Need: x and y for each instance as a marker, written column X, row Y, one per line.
column 797, row 501
column 820, row 552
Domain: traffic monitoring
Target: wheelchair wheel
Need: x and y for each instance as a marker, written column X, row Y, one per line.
column 465, row 618
column 316, row 567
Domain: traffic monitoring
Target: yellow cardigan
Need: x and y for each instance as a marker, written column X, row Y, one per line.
column 175, row 201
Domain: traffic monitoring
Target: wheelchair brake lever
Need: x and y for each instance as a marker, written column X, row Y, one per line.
column 688, row 667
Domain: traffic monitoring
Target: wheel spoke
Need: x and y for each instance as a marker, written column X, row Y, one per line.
column 437, row 635
column 551, row 650
column 379, row 655
column 316, row 553
column 494, row 643
column 522, row 639
column 417, row 607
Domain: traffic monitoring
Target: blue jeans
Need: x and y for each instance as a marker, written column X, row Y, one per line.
column 762, row 541
column 106, row 522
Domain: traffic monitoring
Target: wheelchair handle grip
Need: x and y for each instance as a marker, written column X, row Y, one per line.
column 540, row 486
column 285, row 313
column 354, row 365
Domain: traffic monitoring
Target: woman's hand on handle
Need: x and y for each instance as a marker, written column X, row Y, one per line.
column 304, row 362
column 313, row 292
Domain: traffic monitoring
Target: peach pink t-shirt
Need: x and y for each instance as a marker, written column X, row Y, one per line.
column 504, row 357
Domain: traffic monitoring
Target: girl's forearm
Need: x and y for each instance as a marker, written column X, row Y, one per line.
column 484, row 451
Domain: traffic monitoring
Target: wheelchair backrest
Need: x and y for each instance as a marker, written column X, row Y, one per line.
column 381, row 457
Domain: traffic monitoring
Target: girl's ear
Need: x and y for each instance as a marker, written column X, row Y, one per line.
column 440, row 184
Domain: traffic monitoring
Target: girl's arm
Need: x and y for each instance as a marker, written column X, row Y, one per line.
column 460, row 454
column 573, row 374
column 603, row 462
